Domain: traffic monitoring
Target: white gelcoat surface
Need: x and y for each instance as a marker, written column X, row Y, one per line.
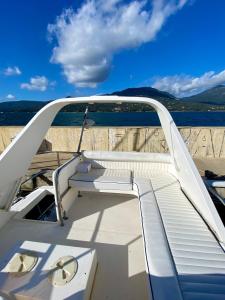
column 36, row 284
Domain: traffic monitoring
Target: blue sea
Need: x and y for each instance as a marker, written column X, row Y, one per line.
column 119, row 119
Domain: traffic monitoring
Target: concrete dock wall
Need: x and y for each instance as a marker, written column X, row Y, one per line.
column 203, row 142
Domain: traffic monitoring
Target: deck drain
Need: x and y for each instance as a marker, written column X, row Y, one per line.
column 22, row 263
column 63, row 270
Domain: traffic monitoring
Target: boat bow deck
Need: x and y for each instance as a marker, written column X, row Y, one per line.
column 182, row 254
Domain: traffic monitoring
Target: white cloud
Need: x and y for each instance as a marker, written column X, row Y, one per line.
column 88, row 38
column 10, row 71
column 10, row 96
column 185, row 85
column 37, row 83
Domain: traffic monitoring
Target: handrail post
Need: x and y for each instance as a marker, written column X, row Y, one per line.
column 82, row 129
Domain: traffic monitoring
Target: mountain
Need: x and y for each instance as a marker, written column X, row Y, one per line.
column 145, row 92
column 212, row 99
column 215, row 95
column 171, row 102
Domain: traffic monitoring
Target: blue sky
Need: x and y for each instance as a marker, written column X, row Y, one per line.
column 51, row 49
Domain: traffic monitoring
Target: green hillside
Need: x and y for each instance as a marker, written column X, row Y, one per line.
column 210, row 100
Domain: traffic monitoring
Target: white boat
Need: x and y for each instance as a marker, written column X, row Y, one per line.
column 128, row 226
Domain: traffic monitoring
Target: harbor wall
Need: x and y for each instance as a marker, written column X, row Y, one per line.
column 203, row 142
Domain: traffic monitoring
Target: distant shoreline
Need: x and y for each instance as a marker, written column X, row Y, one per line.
column 93, row 112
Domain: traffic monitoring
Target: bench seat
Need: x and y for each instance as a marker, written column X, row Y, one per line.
column 102, row 179
column 182, row 255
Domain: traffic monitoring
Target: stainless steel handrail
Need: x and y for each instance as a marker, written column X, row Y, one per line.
column 58, row 195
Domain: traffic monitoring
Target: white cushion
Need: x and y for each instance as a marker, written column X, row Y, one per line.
column 126, row 156
column 83, row 167
column 160, row 266
column 102, row 179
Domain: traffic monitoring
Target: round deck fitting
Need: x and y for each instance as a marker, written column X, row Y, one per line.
column 22, row 263
column 63, row 270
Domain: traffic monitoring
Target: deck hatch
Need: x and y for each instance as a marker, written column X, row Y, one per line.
column 44, row 210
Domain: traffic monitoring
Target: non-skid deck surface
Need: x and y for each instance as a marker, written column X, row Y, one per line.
column 108, row 223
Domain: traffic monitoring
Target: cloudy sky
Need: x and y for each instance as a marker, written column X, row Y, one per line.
column 51, row 49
